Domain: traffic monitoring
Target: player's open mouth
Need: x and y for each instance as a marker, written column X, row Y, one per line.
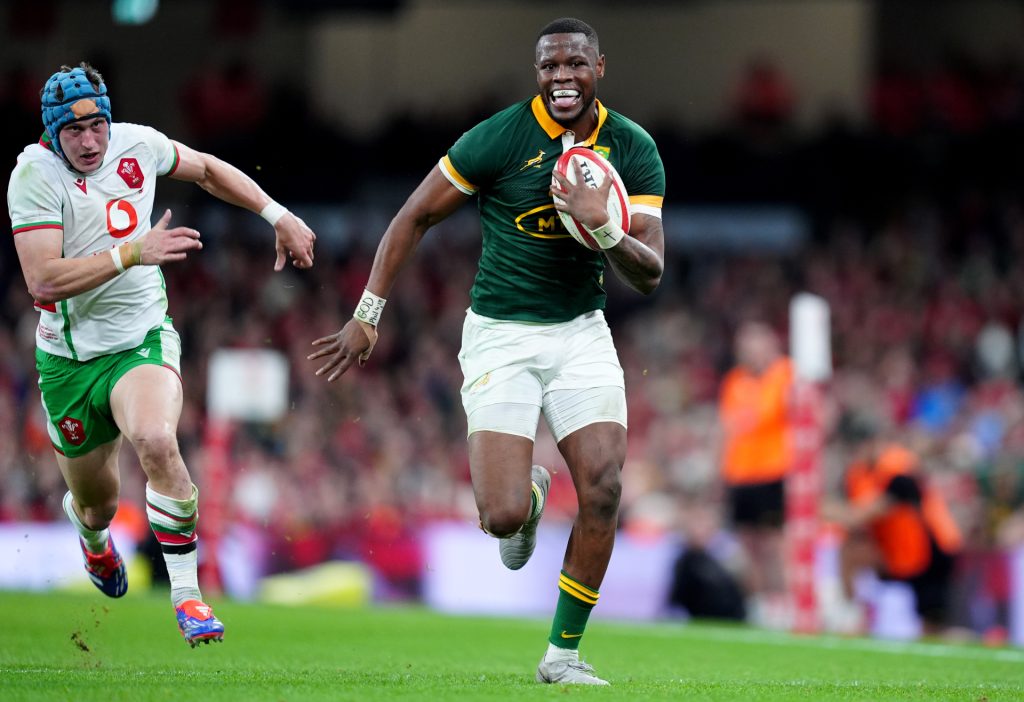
column 564, row 99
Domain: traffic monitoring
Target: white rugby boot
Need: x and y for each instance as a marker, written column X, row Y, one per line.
column 566, row 668
column 516, row 550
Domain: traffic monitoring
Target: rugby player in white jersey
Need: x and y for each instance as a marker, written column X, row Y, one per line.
column 80, row 202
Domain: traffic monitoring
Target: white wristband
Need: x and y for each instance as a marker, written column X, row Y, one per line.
column 115, row 253
column 369, row 308
column 607, row 235
column 273, row 212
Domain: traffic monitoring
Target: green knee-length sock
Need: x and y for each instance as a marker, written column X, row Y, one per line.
column 575, row 602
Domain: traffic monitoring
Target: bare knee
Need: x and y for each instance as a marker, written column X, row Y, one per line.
column 505, row 518
column 158, row 450
column 599, row 496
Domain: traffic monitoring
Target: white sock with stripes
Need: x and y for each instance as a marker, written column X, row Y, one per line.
column 174, row 523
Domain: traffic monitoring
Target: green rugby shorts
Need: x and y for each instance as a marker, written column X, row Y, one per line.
column 76, row 394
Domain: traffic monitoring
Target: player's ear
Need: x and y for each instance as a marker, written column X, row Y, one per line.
column 599, row 67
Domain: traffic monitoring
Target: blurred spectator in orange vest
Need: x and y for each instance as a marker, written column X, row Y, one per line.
column 756, row 455
column 896, row 524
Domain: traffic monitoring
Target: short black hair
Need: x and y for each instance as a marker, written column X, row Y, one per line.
column 571, row 25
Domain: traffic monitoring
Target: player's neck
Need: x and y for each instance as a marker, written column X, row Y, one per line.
column 584, row 125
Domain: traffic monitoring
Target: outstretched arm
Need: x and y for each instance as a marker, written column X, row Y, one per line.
column 227, row 183
column 433, row 200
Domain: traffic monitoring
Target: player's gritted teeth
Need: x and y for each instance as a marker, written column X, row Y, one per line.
column 564, row 99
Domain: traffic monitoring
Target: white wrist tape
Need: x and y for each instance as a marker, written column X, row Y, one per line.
column 273, row 212
column 115, row 253
column 607, row 235
column 369, row 308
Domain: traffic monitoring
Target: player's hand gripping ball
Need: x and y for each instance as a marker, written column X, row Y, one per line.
column 595, row 169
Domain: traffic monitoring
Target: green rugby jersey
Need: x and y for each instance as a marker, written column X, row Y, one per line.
column 531, row 269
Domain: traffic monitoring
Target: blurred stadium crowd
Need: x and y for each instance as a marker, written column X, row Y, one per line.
column 917, row 220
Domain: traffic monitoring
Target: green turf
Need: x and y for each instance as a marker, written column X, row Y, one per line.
column 83, row 648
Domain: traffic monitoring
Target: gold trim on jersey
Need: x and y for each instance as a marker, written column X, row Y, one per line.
column 649, row 200
column 555, row 130
column 554, row 223
column 455, row 177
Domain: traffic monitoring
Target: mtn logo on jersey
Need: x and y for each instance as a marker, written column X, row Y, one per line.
column 131, row 172
column 542, row 223
column 73, row 431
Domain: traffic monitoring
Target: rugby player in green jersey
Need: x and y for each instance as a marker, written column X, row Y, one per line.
column 535, row 338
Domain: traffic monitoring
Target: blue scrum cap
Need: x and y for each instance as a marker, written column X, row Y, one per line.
column 68, row 96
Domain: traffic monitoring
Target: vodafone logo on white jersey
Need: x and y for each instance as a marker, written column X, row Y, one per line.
column 121, row 218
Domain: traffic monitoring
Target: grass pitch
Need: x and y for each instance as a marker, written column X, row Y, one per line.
column 87, row 648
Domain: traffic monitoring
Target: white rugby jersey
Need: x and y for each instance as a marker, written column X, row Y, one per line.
column 97, row 212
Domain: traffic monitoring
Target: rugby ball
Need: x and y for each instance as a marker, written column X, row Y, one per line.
column 595, row 168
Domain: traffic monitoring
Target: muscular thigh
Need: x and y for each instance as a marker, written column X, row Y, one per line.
column 148, row 392
column 147, row 398
column 499, row 465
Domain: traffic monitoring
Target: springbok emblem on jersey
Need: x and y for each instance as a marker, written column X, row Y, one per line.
column 535, row 161
column 131, row 173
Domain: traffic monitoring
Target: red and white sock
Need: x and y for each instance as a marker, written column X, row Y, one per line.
column 174, row 524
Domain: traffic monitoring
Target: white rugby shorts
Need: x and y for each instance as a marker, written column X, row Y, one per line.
column 515, row 370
